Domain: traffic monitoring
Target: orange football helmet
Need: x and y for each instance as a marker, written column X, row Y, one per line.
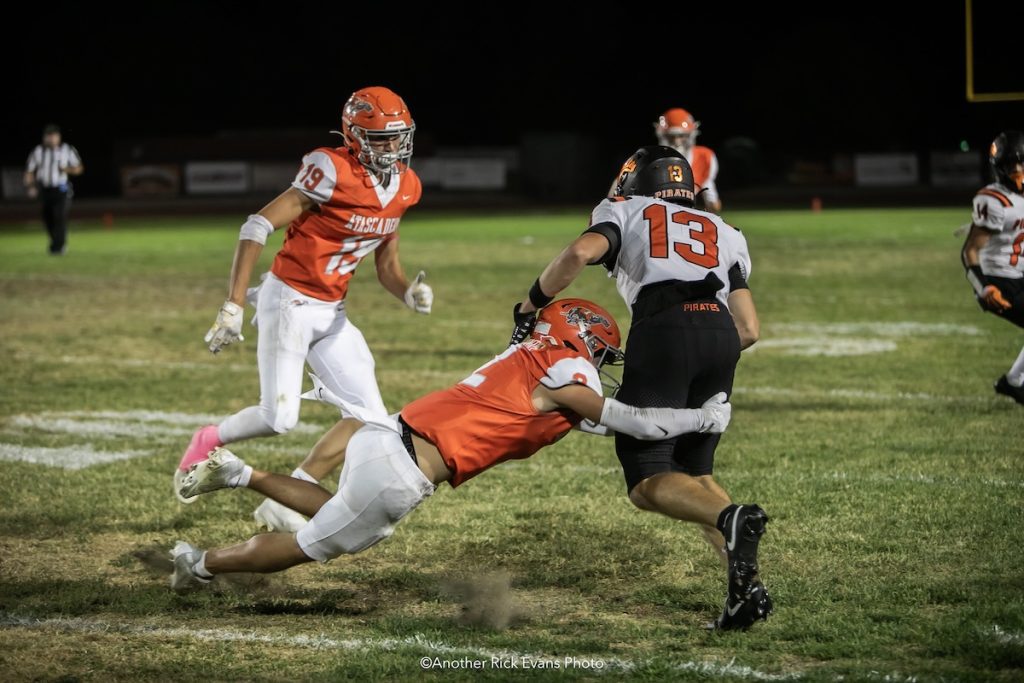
column 582, row 326
column 676, row 128
column 378, row 128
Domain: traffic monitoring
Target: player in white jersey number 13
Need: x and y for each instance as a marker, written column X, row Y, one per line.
column 683, row 273
column 992, row 253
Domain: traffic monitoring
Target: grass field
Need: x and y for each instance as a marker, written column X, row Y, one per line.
column 864, row 423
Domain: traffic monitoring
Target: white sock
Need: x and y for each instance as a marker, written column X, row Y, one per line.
column 299, row 473
column 200, row 568
column 245, row 424
column 1016, row 374
column 241, row 480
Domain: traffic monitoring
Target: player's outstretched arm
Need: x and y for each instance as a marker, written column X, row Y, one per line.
column 649, row 424
column 285, row 208
column 417, row 295
column 588, row 248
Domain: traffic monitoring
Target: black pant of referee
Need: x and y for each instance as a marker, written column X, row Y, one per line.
column 56, row 206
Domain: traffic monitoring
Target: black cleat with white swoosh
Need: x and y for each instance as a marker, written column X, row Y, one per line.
column 741, row 614
column 748, row 599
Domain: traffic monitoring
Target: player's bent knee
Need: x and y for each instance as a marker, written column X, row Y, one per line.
column 637, row 498
column 346, row 544
column 283, row 417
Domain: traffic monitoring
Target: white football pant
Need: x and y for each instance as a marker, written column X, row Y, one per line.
column 295, row 328
column 379, row 485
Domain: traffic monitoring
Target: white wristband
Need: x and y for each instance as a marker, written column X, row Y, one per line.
column 256, row 229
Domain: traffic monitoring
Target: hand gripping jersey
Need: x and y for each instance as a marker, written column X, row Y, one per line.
column 664, row 241
column 1000, row 211
column 489, row 417
column 355, row 215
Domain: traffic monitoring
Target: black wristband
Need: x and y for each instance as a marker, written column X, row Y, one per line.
column 978, row 274
column 537, row 296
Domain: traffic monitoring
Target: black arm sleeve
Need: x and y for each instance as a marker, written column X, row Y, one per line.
column 611, row 232
column 736, row 279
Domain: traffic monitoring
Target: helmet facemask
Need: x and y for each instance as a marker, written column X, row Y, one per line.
column 383, row 150
column 602, row 354
column 681, row 142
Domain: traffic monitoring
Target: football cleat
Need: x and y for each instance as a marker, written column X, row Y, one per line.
column 219, row 471
column 185, row 556
column 277, row 517
column 203, row 441
column 740, row 614
column 743, row 530
column 1003, row 386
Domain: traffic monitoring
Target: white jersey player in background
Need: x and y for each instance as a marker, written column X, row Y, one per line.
column 683, row 273
column 992, row 252
column 344, row 204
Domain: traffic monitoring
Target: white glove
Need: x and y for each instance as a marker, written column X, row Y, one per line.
column 717, row 413
column 419, row 297
column 227, row 328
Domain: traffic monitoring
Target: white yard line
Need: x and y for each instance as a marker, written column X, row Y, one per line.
column 94, row 428
column 127, row 423
column 860, row 394
column 1007, row 637
column 443, row 650
column 124, row 426
column 885, row 329
column 826, row 346
column 148, row 363
column 69, row 457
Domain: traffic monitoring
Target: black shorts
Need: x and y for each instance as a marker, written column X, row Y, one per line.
column 678, row 358
column 1013, row 291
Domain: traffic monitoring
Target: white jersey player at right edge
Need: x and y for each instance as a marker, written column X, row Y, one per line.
column 992, row 252
column 683, row 273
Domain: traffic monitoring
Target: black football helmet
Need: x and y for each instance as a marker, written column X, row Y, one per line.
column 657, row 171
column 1006, row 152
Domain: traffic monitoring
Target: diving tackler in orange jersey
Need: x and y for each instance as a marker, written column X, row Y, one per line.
column 524, row 399
column 344, row 204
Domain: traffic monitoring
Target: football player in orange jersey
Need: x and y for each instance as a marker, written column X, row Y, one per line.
column 345, row 203
column 524, row 399
column 677, row 128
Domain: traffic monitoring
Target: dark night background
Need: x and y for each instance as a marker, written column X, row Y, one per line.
column 862, row 79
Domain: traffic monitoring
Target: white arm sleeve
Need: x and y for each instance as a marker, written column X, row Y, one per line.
column 317, row 177
column 651, row 424
column 34, row 159
column 595, row 428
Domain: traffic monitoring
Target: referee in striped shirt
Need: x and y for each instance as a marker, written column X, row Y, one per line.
column 46, row 175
